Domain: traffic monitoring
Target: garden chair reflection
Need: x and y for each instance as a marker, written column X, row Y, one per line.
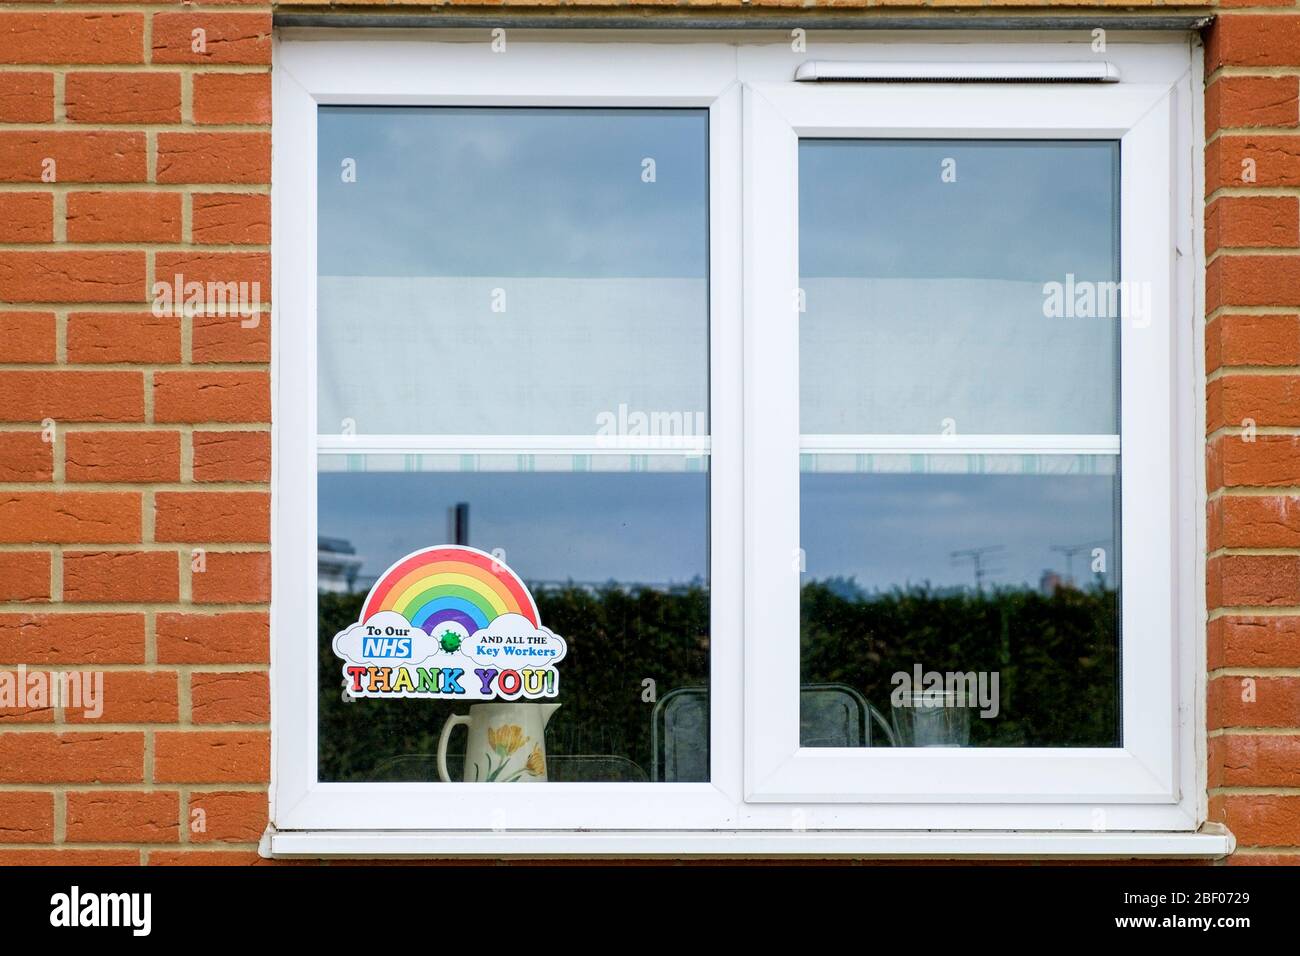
column 830, row 715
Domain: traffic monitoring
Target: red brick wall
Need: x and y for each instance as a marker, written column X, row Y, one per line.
column 1252, row 243
column 134, row 449
column 135, row 452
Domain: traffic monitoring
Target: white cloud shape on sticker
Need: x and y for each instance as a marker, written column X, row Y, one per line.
column 511, row 641
column 386, row 639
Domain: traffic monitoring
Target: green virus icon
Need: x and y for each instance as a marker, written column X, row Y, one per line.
column 450, row 641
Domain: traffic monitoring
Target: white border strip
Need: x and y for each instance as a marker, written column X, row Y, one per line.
column 769, row 843
column 514, row 444
column 955, row 71
column 962, row 444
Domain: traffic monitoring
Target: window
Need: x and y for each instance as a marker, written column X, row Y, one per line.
column 927, row 264
column 547, row 298
column 914, row 326
column 838, row 429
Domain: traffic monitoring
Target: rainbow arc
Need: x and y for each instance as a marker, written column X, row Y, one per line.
column 451, row 583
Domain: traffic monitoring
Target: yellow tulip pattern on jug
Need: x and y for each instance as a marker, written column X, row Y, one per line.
column 502, row 743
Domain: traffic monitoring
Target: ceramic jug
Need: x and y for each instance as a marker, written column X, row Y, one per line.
column 506, row 742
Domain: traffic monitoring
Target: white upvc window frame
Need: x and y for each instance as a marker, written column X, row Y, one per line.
column 462, row 74
column 1150, row 793
column 1143, row 769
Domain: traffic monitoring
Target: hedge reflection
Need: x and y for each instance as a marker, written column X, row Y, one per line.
column 1056, row 656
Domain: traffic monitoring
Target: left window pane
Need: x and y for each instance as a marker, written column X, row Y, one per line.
column 487, row 277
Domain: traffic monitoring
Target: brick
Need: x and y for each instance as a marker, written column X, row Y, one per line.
column 33, row 704
column 212, row 397
column 232, row 456
column 27, row 337
column 139, row 337
column 26, row 817
column 1252, row 280
column 38, row 711
column 231, row 338
column 1254, row 580
column 1255, row 760
column 123, row 97
column 1244, row 39
column 72, row 276
column 65, row 517
column 26, row 97
column 227, row 698
column 232, row 577
column 1252, row 222
column 241, row 637
column 35, row 709
column 123, row 456
column 204, row 858
column 71, row 396
column 69, row 857
column 1264, row 399
column 1259, row 820
column 232, row 98
column 1245, row 857
column 146, row 577
column 1269, row 460
column 214, row 158
column 124, row 217
column 1213, row 527
column 71, row 38
column 249, row 270
column 123, row 816
column 26, row 217
column 72, row 638
column 228, row 37
column 25, row 456
column 1257, row 521
column 1276, row 161
column 1253, row 702
column 212, row 516
column 211, row 756
column 85, row 757
column 134, row 697
column 24, row 575
column 1254, row 641
column 1244, row 101
column 1252, row 340
column 229, row 816
column 79, row 157
column 26, row 715
column 236, row 218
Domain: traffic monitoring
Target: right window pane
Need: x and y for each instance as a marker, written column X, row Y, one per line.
column 959, row 404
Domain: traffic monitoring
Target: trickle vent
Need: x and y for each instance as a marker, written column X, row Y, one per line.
column 833, row 71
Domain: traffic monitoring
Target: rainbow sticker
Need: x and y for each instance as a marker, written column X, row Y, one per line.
column 453, row 583
column 450, row 622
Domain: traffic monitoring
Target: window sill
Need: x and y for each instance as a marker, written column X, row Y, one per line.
column 1212, row 843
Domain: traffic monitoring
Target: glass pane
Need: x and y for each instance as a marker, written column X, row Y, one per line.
column 514, row 272
column 959, row 287
column 930, row 272
column 1003, row 582
column 511, row 271
column 617, row 563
